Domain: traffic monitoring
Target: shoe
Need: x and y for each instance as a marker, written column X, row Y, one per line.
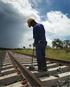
column 42, row 70
column 43, row 73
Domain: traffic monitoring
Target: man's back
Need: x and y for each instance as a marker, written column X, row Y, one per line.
column 39, row 33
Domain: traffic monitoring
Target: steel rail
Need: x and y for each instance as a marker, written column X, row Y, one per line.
column 66, row 62
column 34, row 82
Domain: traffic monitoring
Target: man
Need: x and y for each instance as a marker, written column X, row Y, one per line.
column 39, row 43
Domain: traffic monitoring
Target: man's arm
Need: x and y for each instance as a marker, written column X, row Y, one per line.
column 34, row 44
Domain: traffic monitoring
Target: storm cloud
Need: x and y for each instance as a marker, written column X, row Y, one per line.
column 11, row 26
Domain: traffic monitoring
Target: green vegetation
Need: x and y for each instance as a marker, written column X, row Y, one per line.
column 58, row 53
column 0, row 50
column 51, row 53
column 24, row 51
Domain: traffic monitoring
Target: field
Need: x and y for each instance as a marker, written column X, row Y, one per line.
column 50, row 53
column 1, row 51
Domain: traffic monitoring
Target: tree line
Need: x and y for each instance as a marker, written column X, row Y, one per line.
column 57, row 43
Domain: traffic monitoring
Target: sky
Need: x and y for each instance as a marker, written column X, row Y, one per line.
column 14, row 31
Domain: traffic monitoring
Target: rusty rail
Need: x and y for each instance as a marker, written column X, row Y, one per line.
column 66, row 62
column 34, row 82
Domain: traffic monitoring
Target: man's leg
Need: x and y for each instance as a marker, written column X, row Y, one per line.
column 43, row 59
column 40, row 52
column 44, row 67
column 38, row 55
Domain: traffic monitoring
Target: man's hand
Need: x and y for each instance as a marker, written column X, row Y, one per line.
column 46, row 43
column 33, row 44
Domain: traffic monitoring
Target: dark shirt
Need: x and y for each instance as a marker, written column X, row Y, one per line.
column 39, row 33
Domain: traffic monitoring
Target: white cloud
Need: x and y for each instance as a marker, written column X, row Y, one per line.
column 57, row 23
column 27, row 38
column 24, row 8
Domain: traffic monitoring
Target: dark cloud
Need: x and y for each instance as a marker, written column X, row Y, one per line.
column 11, row 26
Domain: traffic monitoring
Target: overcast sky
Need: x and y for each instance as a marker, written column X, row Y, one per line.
column 53, row 14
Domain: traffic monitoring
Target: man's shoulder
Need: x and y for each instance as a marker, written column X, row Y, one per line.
column 38, row 25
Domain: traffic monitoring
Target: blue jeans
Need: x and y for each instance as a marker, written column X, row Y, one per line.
column 40, row 54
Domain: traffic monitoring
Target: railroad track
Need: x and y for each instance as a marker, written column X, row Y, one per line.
column 9, row 76
column 58, row 74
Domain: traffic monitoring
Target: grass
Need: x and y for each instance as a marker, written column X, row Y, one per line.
column 51, row 53
column 58, row 53
column 26, row 51
column 0, row 51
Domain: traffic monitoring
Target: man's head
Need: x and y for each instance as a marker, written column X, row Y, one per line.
column 31, row 22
